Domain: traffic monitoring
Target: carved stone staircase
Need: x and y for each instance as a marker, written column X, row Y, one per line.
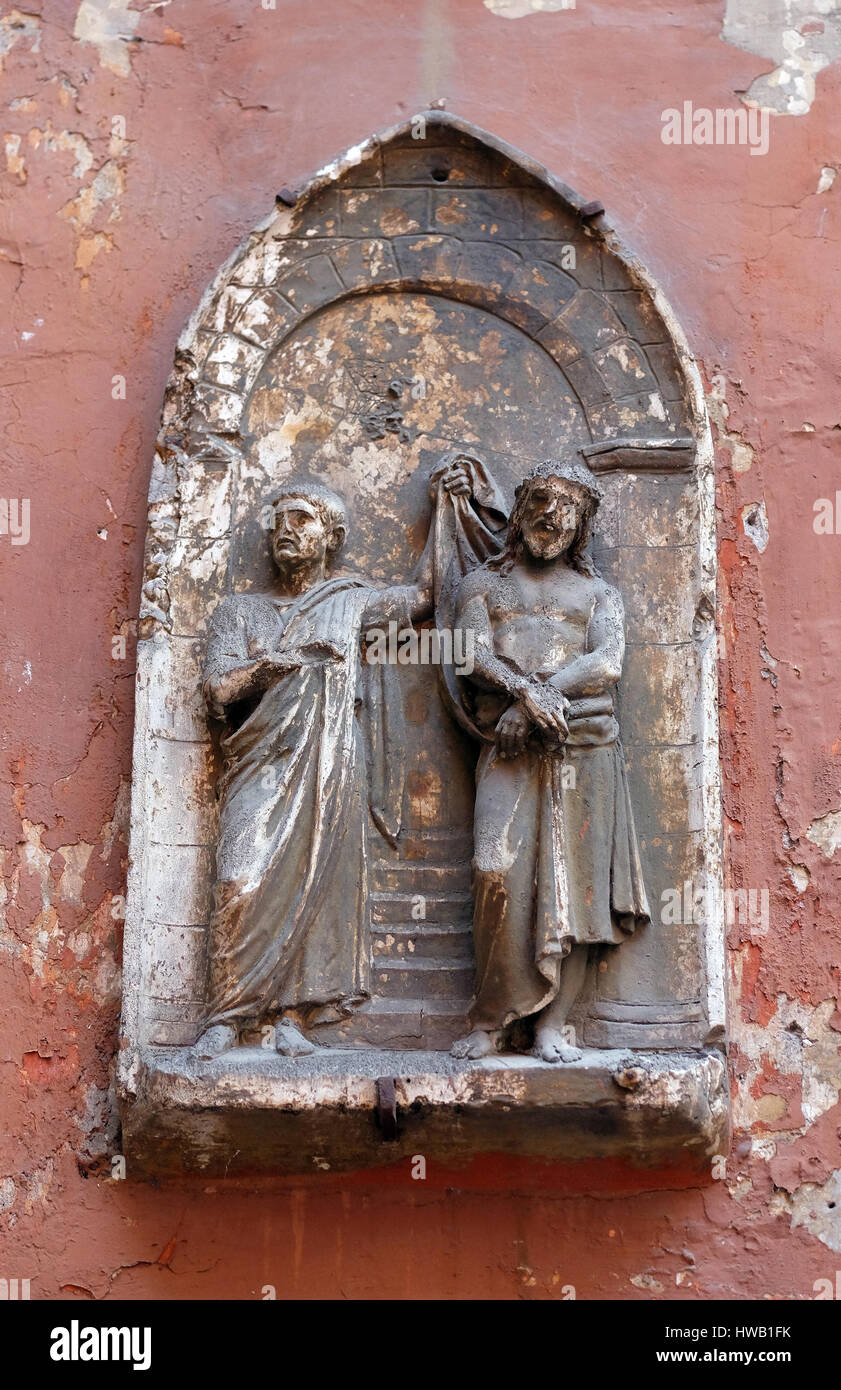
column 422, row 967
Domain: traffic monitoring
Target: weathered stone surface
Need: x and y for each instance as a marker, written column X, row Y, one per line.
column 420, row 300
column 257, row 1112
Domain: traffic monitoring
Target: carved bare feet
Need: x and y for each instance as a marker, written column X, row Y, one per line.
column 551, row 1045
column 215, row 1040
column 477, row 1044
column 290, row 1041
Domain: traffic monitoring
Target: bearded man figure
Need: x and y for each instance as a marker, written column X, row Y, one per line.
column 556, row 863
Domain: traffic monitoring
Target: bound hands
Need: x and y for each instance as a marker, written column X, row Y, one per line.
column 546, row 705
column 540, row 705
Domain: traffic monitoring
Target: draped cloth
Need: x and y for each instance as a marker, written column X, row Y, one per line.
column 556, row 860
column 465, row 532
column 289, row 921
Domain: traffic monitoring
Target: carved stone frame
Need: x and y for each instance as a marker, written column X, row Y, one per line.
column 251, row 1113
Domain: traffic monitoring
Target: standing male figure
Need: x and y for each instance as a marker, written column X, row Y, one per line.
column 556, row 863
column 288, row 939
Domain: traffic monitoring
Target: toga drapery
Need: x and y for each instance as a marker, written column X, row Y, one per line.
column 288, row 923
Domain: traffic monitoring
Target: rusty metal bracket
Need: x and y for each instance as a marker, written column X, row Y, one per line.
column 387, row 1107
column 287, row 196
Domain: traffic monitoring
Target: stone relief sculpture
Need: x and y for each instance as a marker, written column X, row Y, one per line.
column 343, row 869
column 556, row 866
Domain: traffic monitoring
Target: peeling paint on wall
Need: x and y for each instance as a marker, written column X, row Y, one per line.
column 16, row 27
column 801, row 36
column 755, row 522
column 816, row 1206
column 825, row 832
column 110, row 25
column 516, row 9
column 788, row 1065
column 102, row 193
column 740, row 451
column 15, row 163
column 63, row 141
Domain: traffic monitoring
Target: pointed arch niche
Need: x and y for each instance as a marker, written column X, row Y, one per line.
column 432, row 289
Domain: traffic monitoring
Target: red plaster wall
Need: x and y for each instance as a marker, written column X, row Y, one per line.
column 224, row 103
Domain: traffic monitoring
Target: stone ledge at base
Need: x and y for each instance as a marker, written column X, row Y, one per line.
column 252, row 1111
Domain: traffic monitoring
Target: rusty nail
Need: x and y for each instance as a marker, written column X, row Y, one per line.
column 591, row 210
column 287, row 196
column 387, row 1107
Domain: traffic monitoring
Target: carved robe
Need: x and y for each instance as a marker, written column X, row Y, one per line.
column 289, row 920
column 556, row 861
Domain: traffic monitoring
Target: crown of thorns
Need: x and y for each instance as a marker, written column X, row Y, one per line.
column 570, row 470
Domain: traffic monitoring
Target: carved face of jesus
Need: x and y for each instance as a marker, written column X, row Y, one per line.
column 300, row 535
column 552, row 516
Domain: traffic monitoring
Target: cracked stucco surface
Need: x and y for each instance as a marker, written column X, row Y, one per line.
column 109, row 25
column 825, row 832
column 801, row 37
column 517, row 9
